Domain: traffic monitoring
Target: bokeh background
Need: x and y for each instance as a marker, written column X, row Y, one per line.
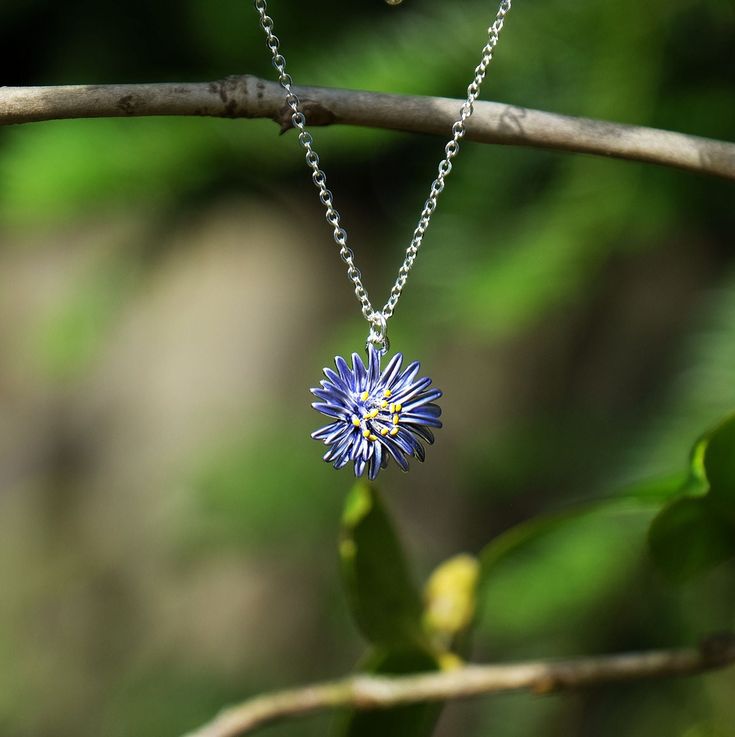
column 169, row 291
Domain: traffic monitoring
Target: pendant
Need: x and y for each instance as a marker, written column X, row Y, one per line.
column 376, row 414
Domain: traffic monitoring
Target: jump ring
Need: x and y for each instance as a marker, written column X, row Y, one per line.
column 378, row 336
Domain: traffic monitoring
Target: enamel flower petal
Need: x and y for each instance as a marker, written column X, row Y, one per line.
column 375, row 414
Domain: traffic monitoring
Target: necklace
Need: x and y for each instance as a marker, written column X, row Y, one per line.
column 377, row 414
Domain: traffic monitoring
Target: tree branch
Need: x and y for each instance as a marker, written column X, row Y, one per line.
column 541, row 677
column 250, row 97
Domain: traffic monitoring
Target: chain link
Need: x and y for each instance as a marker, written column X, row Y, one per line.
column 378, row 319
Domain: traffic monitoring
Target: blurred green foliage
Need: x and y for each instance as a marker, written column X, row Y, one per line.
column 285, row 501
column 579, row 314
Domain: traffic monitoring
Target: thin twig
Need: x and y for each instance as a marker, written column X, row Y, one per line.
column 541, row 677
column 247, row 96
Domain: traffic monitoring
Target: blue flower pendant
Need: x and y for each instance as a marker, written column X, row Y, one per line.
column 376, row 414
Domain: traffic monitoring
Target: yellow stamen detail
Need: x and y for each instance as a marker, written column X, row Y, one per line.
column 399, row 407
column 392, row 408
column 366, row 433
column 355, row 422
column 364, row 396
column 373, row 413
column 395, row 419
column 387, row 393
column 372, row 437
column 383, row 404
column 394, row 431
column 384, row 431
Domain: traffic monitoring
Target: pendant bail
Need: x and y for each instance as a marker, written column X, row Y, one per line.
column 378, row 336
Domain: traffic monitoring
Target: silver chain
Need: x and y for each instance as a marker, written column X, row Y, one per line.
column 378, row 319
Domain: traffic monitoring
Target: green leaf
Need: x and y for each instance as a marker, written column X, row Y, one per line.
column 388, row 609
column 545, row 577
column 416, row 720
column 382, row 595
column 689, row 537
column 719, row 466
column 697, row 473
column 584, row 541
column 641, row 497
column 696, row 532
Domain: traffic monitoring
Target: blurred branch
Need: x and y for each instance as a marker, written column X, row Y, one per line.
column 380, row 692
column 246, row 96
